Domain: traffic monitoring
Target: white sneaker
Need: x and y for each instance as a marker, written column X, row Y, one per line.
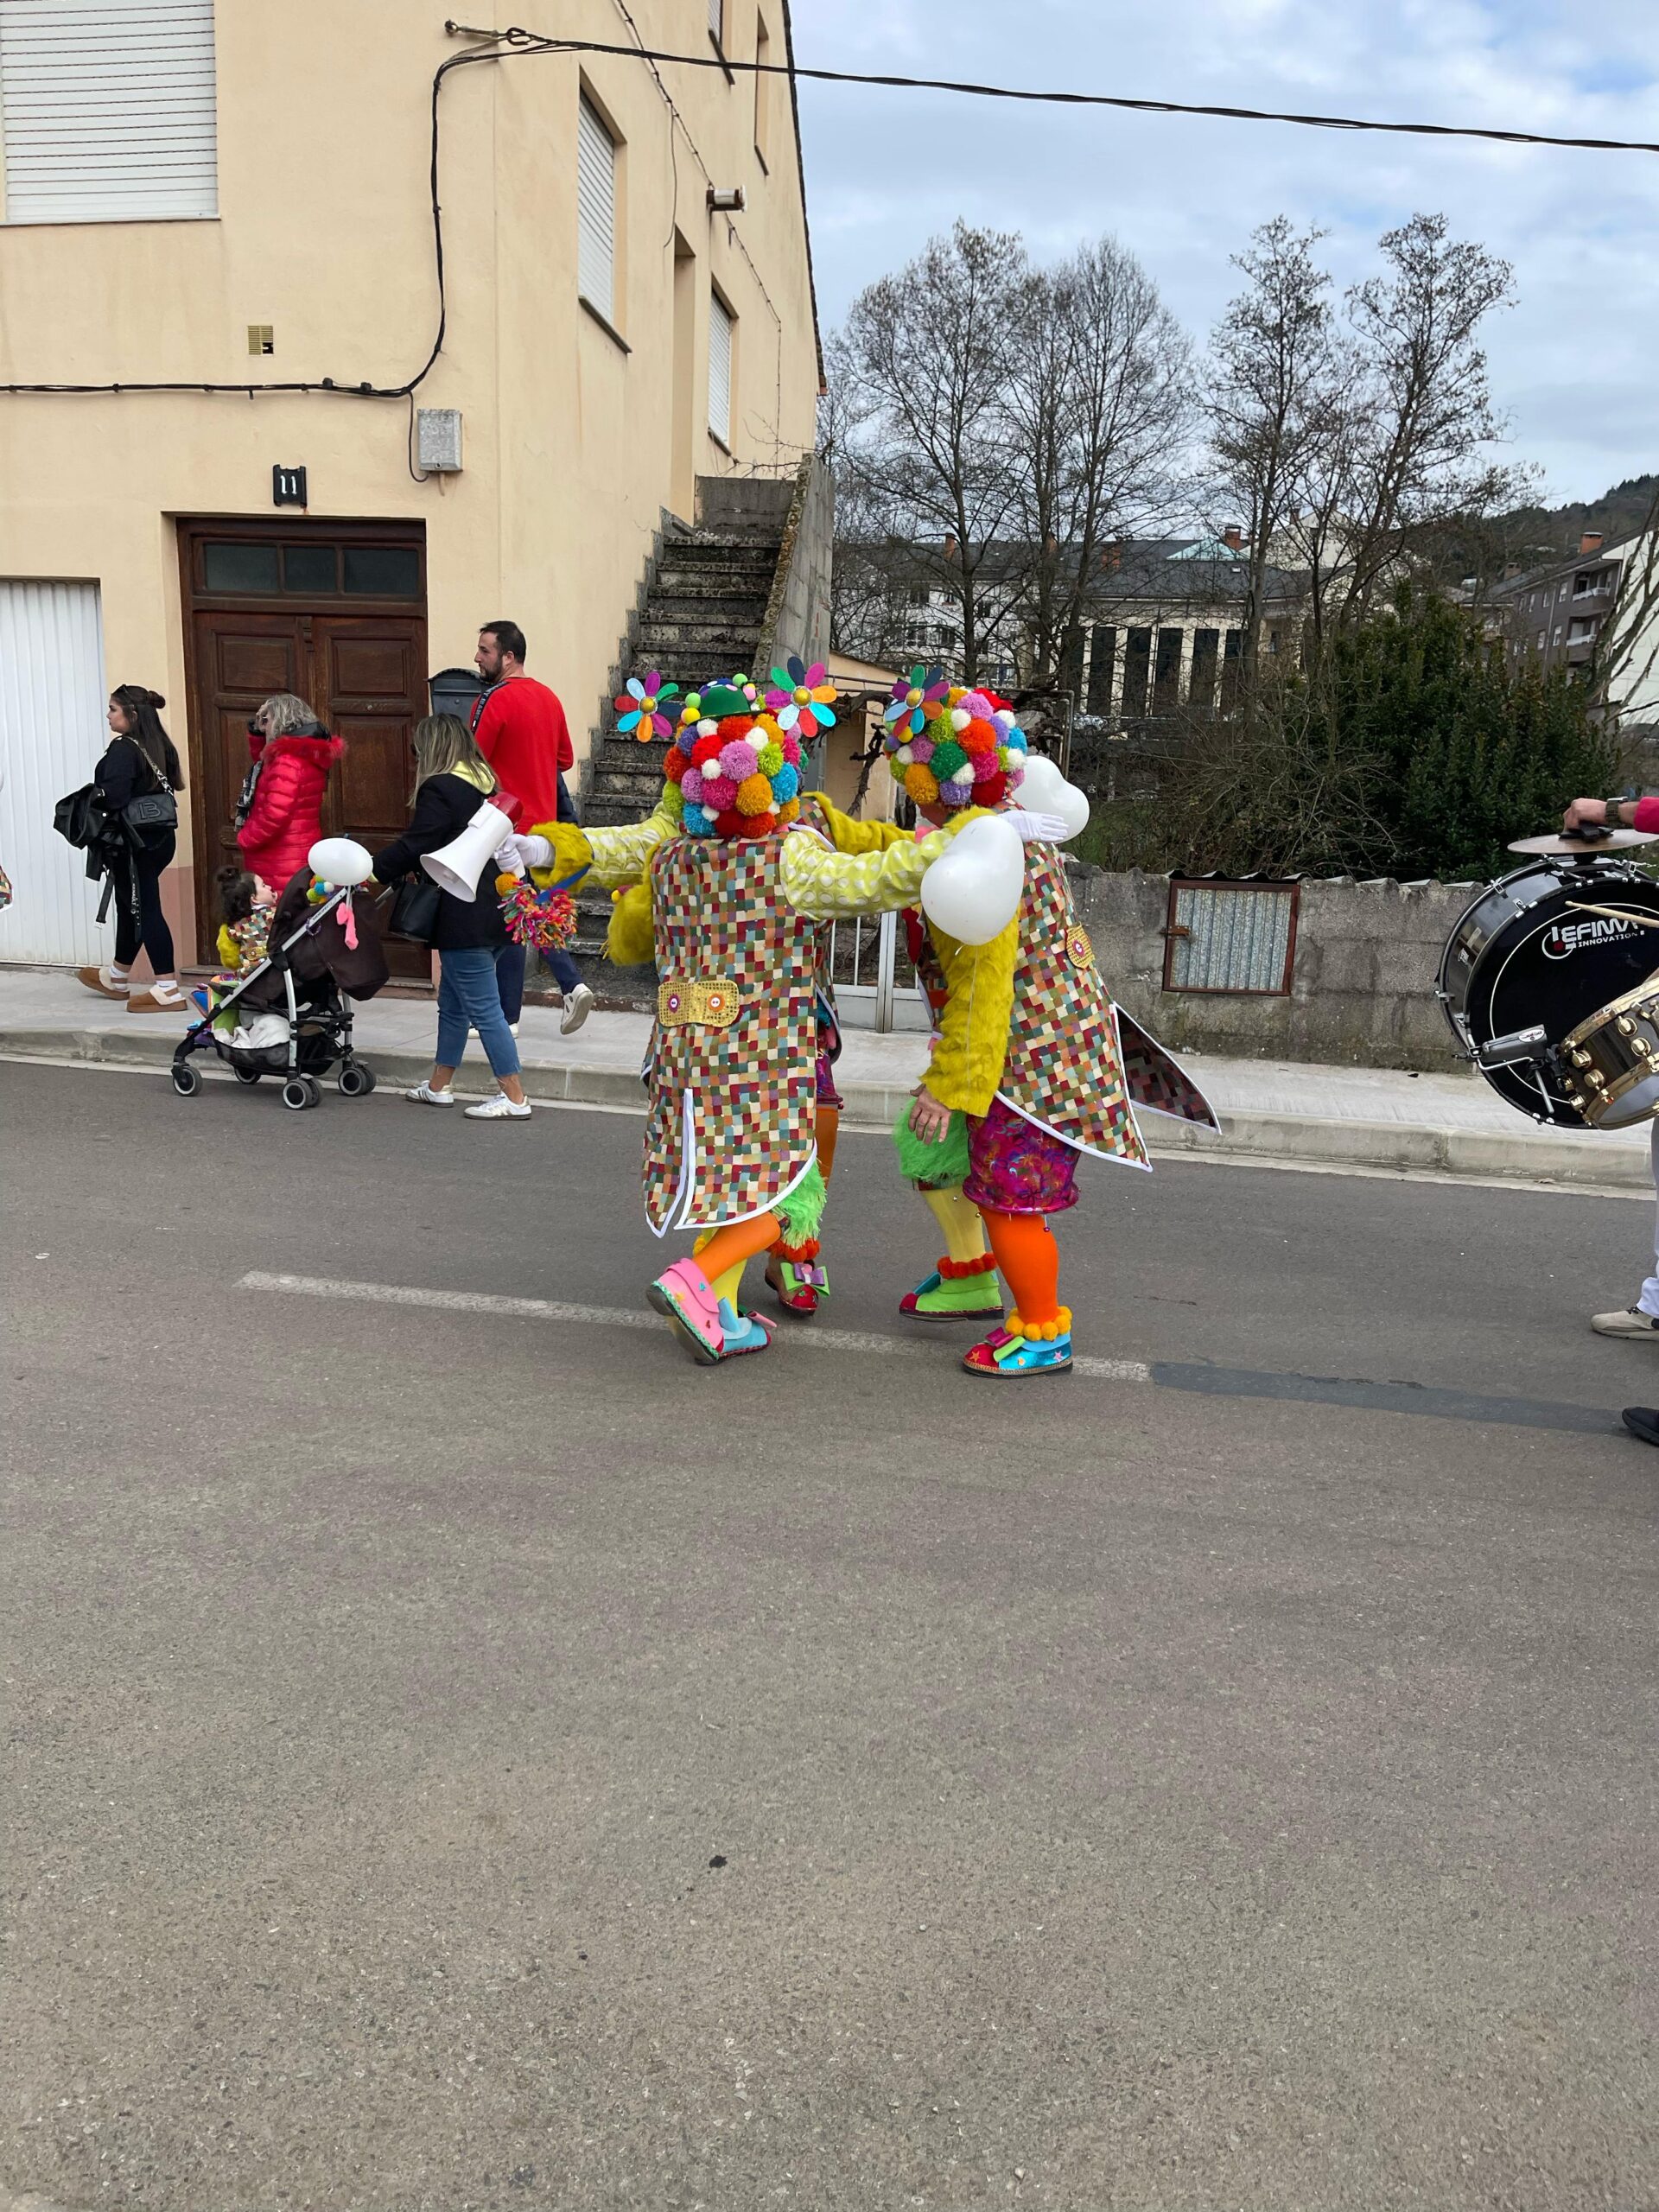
column 423, row 1095
column 577, row 1008
column 1632, row 1322
column 499, row 1108
column 513, row 1029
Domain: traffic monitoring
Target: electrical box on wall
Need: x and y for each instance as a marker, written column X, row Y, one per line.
column 437, row 438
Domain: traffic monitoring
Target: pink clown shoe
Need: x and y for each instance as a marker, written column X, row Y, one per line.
column 685, row 1295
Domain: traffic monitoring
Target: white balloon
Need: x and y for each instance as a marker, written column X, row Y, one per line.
column 972, row 891
column 341, row 860
column 1044, row 790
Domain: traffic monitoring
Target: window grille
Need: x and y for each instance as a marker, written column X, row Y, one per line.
column 1235, row 937
column 720, row 369
column 107, row 111
column 595, row 211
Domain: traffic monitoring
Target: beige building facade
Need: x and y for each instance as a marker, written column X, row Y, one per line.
column 614, row 327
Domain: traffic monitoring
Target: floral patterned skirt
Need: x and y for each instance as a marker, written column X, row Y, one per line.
column 1015, row 1167
column 826, row 1093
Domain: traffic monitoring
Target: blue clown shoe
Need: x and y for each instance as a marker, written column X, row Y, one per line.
column 742, row 1332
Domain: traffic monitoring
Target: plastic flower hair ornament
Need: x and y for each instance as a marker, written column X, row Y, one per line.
column 951, row 746
column 915, row 703
column 640, row 708
column 801, row 693
column 733, row 770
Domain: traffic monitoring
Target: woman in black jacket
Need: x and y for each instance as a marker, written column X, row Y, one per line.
column 452, row 781
column 139, row 763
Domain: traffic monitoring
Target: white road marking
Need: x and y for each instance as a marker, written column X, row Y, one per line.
column 620, row 1317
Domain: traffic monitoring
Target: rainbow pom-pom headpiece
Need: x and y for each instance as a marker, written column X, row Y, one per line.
column 734, row 767
column 947, row 744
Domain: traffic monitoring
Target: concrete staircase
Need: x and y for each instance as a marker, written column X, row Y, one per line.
column 701, row 619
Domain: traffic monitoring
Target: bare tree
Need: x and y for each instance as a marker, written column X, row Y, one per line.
column 1427, row 403
column 1100, row 410
column 923, row 365
column 1272, row 368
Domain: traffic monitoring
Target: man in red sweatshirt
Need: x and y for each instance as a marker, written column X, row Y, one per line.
column 521, row 731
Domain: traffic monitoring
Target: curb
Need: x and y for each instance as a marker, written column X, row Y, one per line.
column 1298, row 1139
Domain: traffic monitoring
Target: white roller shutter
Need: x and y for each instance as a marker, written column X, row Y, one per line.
column 108, row 109
column 717, row 16
column 720, row 368
column 52, row 733
column 595, row 211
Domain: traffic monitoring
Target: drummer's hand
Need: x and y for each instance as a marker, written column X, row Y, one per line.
column 1585, row 811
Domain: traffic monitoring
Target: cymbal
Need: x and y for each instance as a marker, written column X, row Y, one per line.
column 1584, row 849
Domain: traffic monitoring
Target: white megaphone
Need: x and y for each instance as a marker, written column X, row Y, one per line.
column 456, row 867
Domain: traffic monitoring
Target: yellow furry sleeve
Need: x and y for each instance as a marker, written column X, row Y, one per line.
column 973, row 1043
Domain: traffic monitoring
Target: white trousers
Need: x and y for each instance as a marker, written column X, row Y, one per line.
column 1648, row 1301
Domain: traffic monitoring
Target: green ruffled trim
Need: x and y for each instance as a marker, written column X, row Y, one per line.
column 802, row 1209
column 940, row 1164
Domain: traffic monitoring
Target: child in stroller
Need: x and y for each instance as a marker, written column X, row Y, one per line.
column 290, row 1014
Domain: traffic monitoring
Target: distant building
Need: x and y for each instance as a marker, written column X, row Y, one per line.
column 1164, row 625
column 1555, row 615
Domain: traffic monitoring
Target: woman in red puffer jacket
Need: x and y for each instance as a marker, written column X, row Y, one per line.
column 294, row 755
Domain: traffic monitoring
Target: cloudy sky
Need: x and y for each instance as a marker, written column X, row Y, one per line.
column 1575, row 364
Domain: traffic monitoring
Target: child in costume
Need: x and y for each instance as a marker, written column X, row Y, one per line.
column 735, row 874
column 1029, row 1069
column 246, row 904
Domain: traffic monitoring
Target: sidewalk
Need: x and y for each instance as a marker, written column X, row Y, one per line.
column 1329, row 1116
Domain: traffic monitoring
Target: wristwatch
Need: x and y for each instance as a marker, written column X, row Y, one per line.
column 1615, row 806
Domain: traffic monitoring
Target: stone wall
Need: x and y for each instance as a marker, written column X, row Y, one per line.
column 797, row 613
column 1362, row 985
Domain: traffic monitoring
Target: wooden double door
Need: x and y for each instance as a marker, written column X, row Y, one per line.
column 270, row 608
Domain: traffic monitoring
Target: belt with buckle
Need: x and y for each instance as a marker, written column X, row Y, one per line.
column 705, row 1006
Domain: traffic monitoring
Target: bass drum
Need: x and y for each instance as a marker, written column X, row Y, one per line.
column 1522, row 956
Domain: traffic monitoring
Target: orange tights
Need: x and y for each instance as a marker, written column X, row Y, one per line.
column 1028, row 1261
column 726, row 1253
column 829, row 1130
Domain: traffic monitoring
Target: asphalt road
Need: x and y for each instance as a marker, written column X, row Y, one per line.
column 461, row 1758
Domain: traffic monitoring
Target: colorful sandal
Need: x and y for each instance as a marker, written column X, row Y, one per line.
column 1009, row 1353
column 796, row 1278
column 686, row 1296
column 958, row 1290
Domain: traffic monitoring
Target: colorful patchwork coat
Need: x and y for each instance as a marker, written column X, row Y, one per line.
column 1027, row 1019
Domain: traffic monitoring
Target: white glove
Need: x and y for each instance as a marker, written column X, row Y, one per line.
column 535, row 852
column 1036, row 829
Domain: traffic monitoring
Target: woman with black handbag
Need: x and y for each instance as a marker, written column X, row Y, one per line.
column 139, row 777
column 452, row 781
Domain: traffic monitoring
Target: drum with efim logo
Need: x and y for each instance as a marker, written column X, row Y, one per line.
column 1524, row 955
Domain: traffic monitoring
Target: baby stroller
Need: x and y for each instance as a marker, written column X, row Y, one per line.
column 293, row 1012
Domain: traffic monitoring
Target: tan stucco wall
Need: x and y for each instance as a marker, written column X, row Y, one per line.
column 325, row 232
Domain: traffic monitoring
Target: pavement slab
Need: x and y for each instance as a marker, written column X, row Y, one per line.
column 1342, row 1117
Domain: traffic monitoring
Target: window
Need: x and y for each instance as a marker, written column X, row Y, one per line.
column 107, row 111
column 919, row 595
column 1103, row 653
column 1540, row 640
column 1238, row 938
column 716, row 19
column 595, row 211
column 762, row 90
column 720, row 369
column 317, row 569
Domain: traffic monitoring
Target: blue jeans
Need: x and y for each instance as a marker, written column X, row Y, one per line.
column 469, row 997
column 510, row 973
